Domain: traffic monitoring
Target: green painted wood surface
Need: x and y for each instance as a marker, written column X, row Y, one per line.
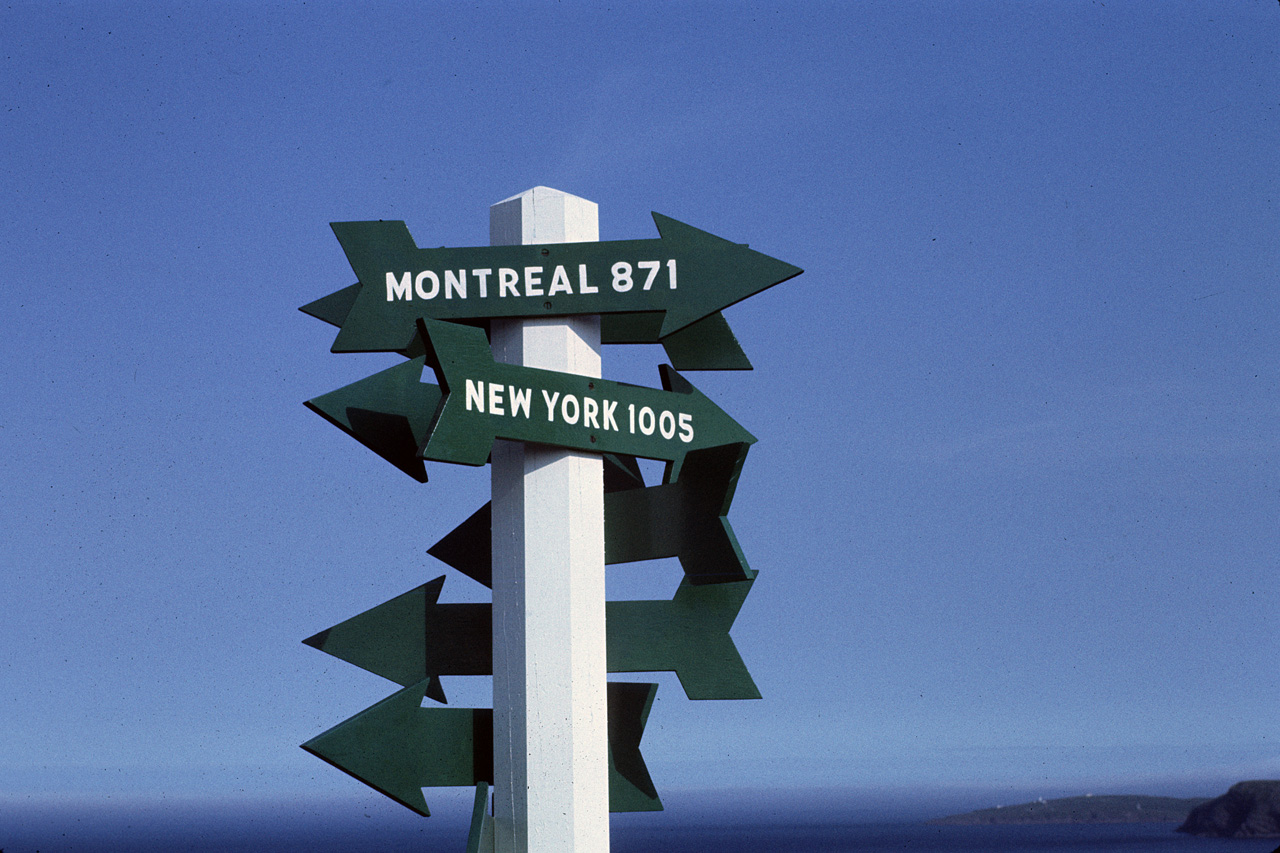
column 687, row 519
column 413, row 637
column 389, row 412
column 398, row 747
column 552, row 280
column 480, row 838
column 485, row 400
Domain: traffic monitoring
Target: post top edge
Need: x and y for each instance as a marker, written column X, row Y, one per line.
column 542, row 191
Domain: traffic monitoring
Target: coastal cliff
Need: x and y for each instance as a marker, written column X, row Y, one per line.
column 1127, row 808
column 1247, row 810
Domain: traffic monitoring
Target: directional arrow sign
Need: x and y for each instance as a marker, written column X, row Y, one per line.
column 683, row 277
column 708, row 344
column 686, row 519
column 485, row 400
column 389, row 413
column 413, row 637
column 398, row 747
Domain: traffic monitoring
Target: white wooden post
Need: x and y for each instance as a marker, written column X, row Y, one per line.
column 550, row 713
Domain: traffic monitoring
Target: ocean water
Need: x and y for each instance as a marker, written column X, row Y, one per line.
column 923, row 838
column 226, row 835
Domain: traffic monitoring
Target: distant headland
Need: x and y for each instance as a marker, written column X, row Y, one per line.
column 1247, row 810
column 1112, row 808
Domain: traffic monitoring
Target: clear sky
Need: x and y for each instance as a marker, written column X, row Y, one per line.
column 1015, row 504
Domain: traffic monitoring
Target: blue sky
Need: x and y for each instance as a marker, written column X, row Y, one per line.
column 1015, row 500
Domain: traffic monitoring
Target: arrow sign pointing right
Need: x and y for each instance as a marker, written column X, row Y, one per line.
column 687, row 519
column 682, row 277
column 708, row 344
column 398, row 747
column 485, row 400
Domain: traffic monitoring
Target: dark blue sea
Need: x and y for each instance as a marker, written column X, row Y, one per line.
column 106, row 832
column 923, row 838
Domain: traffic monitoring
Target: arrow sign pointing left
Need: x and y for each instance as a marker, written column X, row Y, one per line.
column 398, row 747
column 686, row 519
column 413, row 637
column 485, row 400
column 389, row 412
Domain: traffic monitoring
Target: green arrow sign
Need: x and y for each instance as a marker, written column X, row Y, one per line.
column 708, row 344
column 686, row 519
column 485, row 400
column 684, row 276
column 398, row 747
column 413, row 637
column 389, row 412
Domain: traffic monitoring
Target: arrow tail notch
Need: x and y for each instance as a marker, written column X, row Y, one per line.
column 688, row 635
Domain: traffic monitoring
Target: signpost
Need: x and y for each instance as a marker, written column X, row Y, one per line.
column 560, row 747
column 549, row 697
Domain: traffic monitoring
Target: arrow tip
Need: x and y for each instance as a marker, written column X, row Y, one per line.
column 732, row 272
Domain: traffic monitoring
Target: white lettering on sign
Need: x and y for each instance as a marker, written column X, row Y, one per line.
column 598, row 414
column 666, row 422
column 652, row 267
column 507, row 280
column 455, row 282
column 622, row 276
column 564, row 409
column 532, row 278
column 559, row 282
column 428, row 284
column 622, row 281
column 517, row 398
column 475, row 394
column 435, row 285
column 398, row 289
column 551, row 403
